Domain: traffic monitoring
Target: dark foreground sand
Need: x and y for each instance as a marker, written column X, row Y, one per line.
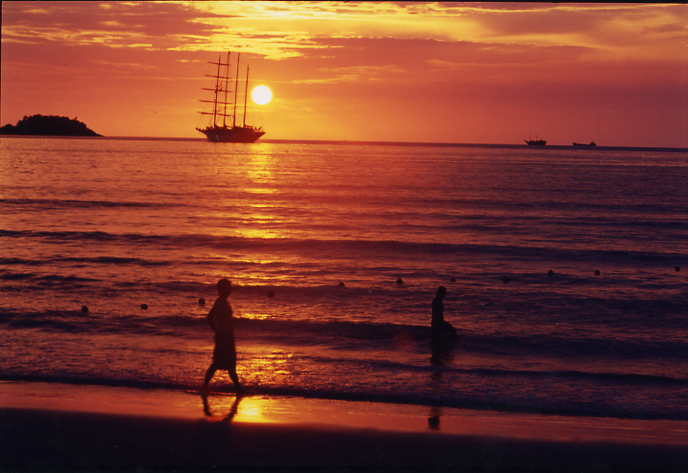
column 53, row 427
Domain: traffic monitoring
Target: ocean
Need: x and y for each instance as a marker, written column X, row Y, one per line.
column 565, row 270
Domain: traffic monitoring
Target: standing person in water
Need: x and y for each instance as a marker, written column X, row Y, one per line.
column 221, row 320
column 443, row 334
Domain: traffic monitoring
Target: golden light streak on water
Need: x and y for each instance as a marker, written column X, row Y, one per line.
column 255, row 316
column 260, row 167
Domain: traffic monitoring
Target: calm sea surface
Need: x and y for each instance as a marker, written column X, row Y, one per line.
column 116, row 223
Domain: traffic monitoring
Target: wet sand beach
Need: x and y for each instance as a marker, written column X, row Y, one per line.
column 60, row 427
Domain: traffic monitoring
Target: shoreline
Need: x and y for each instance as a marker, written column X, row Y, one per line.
column 383, row 402
column 58, row 427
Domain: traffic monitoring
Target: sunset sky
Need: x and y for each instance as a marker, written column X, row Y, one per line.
column 384, row 71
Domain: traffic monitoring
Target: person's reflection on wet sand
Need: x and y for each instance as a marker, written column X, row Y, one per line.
column 232, row 411
column 436, row 385
column 441, row 355
column 434, row 418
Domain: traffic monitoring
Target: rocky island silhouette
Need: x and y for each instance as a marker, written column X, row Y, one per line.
column 48, row 125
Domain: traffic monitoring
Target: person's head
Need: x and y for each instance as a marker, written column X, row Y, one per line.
column 224, row 287
column 441, row 292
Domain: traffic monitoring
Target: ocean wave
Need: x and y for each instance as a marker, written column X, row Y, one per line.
column 551, row 376
column 110, row 260
column 389, row 248
column 43, row 279
column 607, row 209
column 348, row 335
column 386, row 197
column 21, row 261
column 117, row 260
column 47, row 204
column 71, row 236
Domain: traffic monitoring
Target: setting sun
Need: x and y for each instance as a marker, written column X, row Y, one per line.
column 261, row 94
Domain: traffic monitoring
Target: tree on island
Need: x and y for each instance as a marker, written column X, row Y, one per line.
column 48, row 125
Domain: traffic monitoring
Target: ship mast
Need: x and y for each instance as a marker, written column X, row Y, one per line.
column 216, row 91
column 246, row 94
column 236, row 89
column 217, row 85
column 224, row 115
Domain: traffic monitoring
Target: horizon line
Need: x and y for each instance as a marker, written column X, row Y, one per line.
column 379, row 142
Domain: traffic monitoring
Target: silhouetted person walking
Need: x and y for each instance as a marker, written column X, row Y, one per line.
column 443, row 334
column 221, row 320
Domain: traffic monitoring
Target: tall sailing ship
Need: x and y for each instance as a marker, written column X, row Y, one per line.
column 219, row 131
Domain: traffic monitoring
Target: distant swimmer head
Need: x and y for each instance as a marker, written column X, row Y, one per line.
column 84, row 309
column 224, row 287
column 144, row 306
column 201, row 301
column 400, row 281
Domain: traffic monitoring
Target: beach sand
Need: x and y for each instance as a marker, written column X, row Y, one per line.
column 58, row 427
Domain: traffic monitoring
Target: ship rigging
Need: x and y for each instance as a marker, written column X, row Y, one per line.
column 222, row 132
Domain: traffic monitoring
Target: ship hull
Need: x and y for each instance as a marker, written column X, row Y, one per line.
column 236, row 134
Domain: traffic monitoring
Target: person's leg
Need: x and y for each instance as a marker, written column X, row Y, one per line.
column 235, row 379
column 233, row 375
column 209, row 375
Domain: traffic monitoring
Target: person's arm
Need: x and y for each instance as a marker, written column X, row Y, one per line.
column 212, row 316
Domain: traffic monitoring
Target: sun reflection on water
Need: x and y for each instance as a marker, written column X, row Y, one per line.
column 255, row 316
column 260, row 190
column 251, row 410
column 257, row 233
column 266, row 364
column 259, row 168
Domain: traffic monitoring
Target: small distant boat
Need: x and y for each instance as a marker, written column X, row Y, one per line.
column 592, row 144
column 536, row 142
column 223, row 133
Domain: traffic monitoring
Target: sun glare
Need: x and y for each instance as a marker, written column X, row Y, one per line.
column 261, row 94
